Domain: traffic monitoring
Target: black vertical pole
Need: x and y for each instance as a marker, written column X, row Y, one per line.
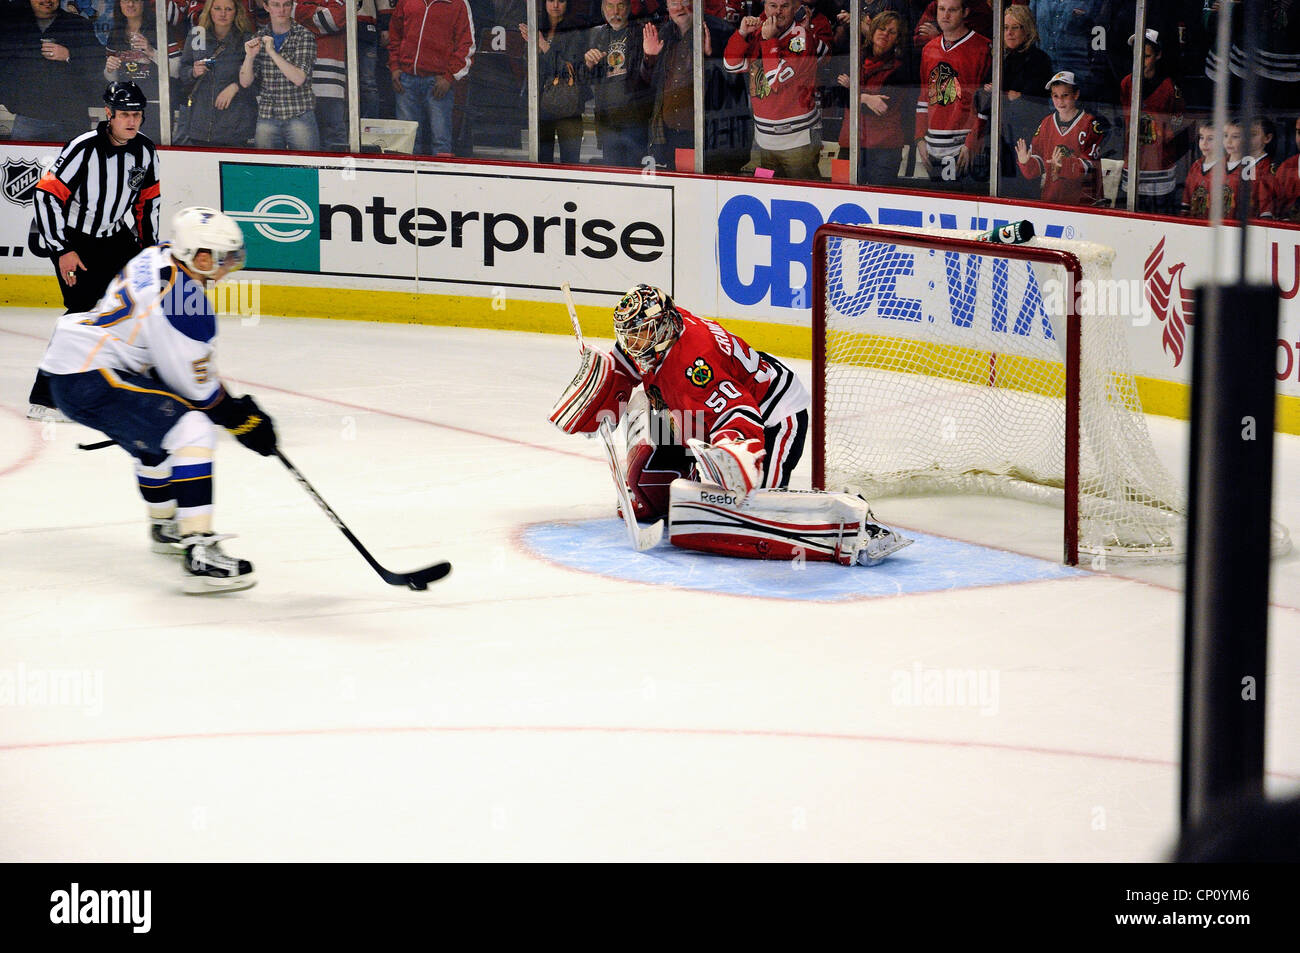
column 1230, row 499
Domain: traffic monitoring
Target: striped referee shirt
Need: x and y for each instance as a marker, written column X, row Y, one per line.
column 96, row 188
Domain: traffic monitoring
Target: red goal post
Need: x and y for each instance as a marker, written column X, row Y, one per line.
column 920, row 329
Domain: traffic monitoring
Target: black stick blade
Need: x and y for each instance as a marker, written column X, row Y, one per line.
column 420, row 579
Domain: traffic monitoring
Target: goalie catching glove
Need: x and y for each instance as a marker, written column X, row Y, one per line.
column 249, row 423
column 731, row 463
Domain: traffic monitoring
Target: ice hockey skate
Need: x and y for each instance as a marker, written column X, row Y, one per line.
column 209, row 569
column 877, row 542
column 165, row 537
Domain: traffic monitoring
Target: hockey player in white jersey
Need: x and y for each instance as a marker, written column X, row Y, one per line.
column 742, row 413
column 141, row 367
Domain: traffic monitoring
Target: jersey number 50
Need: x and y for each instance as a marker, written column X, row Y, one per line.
column 717, row 401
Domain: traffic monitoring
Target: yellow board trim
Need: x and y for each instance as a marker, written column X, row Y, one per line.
column 1164, row 398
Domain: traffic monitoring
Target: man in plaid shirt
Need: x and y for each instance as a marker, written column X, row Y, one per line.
column 280, row 59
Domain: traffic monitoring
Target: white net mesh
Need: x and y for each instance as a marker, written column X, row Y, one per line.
column 945, row 372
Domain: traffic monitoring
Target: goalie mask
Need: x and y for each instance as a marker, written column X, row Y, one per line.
column 646, row 324
column 199, row 229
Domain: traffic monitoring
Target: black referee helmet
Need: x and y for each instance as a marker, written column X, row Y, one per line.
column 125, row 96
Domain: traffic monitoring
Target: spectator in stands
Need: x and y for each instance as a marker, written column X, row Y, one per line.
column 51, row 70
column 949, row 127
column 367, row 59
column 215, row 109
column 1286, row 185
column 1257, row 166
column 132, row 56
column 1160, row 124
column 880, row 96
column 1076, row 34
column 780, row 52
column 329, row 78
column 1198, row 189
column 668, row 68
column 561, row 43
column 279, row 59
column 612, row 65
column 430, row 48
column 1026, row 71
column 979, row 17
column 1066, row 151
column 98, row 12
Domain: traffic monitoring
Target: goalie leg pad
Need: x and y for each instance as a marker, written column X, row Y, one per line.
column 778, row 524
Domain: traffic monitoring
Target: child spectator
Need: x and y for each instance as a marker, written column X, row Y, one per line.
column 1258, row 168
column 1198, row 189
column 1159, row 124
column 880, row 129
column 1066, row 148
column 1286, row 186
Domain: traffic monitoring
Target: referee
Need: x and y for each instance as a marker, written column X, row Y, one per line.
column 97, row 207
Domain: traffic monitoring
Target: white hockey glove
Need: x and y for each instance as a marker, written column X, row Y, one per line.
column 730, row 464
column 578, row 408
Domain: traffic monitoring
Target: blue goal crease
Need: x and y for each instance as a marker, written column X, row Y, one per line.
column 931, row 564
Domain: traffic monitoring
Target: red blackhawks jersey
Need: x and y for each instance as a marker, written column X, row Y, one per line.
column 1198, row 189
column 723, row 388
column 1286, row 190
column 1159, row 123
column 1078, row 145
column 946, row 116
column 782, row 81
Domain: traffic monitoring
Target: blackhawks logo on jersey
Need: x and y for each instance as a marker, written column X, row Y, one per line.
column 759, row 86
column 1146, row 129
column 1199, row 206
column 699, row 373
column 944, row 86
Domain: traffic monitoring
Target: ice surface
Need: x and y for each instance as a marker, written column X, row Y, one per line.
column 524, row 710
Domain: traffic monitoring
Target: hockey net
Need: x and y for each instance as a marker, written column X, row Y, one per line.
column 946, row 364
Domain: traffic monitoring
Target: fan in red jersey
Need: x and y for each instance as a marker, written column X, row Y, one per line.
column 709, row 405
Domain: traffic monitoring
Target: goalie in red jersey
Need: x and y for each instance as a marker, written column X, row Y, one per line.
column 700, row 402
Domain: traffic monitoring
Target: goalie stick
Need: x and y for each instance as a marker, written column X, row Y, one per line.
column 641, row 538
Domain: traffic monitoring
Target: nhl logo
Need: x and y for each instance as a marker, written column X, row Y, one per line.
column 135, row 178
column 19, row 180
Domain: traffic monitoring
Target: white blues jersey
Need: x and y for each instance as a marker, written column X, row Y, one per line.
column 154, row 317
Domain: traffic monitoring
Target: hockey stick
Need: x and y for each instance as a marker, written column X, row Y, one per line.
column 97, row 446
column 641, row 539
column 418, row 580
column 573, row 313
